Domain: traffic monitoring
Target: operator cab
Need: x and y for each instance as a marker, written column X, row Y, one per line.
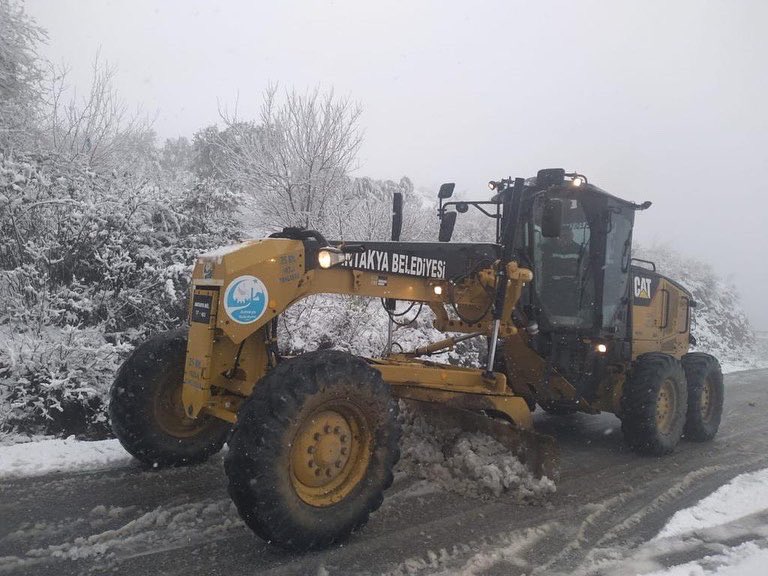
column 576, row 238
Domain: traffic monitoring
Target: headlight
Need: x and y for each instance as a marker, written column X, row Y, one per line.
column 577, row 181
column 328, row 257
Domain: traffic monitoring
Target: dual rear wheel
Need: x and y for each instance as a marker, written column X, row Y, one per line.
column 665, row 398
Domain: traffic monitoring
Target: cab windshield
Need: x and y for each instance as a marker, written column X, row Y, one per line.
column 564, row 267
column 617, row 260
column 580, row 277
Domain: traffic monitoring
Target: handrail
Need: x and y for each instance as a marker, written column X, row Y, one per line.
column 653, row 264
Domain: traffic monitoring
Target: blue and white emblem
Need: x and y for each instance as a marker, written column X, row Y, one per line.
column 245, row 300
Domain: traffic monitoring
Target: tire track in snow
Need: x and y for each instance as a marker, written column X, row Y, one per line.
column 657, row 503
column 700, row 546
column 483, row 554
column 577, row 542
column 623, row 534
column 163, row 528
column 512, row 553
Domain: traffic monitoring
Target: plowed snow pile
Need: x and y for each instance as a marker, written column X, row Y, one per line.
column 59, row 455
column 471, row 464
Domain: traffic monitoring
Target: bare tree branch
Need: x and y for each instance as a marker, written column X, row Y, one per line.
column 297, row 159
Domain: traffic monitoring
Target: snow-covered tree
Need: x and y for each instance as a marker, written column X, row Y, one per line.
column 21, row 75
column 296, row 159
column 177, row 155
column 89, row 264
column 98, row 128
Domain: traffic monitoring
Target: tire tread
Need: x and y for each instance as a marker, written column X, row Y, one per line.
column 697, row 366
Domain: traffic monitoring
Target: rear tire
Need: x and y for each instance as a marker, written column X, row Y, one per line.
column 654, row 404
column 145, row 407
column 705, row 396
column 313, row 450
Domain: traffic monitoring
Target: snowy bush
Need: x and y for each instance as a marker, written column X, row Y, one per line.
column 21, row 76
column 89, row 264
column 54, row 381
column 80, row 248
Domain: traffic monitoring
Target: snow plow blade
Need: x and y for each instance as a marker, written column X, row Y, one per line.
column 537, row 451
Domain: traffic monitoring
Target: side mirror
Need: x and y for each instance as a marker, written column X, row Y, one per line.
column 462, row 207
column 446, row 190
column 397, row 215
column 447, row 222
column 552, row 218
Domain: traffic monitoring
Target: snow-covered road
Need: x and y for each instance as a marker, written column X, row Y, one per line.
column 613, row 513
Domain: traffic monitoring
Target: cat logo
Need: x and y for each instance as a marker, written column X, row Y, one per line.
column 642, row 287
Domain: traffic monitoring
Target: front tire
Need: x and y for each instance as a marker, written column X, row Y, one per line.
column 146, row 412
column 654, row 404
column 313, row 450
column 705, row 396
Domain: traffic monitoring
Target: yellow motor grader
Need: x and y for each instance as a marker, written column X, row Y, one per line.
column 571, row 323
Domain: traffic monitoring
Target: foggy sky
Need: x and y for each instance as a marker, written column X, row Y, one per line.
column 652, row 100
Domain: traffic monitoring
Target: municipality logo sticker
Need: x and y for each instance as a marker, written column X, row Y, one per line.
column 245, row 300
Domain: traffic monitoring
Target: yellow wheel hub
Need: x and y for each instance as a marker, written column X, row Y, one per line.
column 169, row 412
column 666, row 405
column 330, row 455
